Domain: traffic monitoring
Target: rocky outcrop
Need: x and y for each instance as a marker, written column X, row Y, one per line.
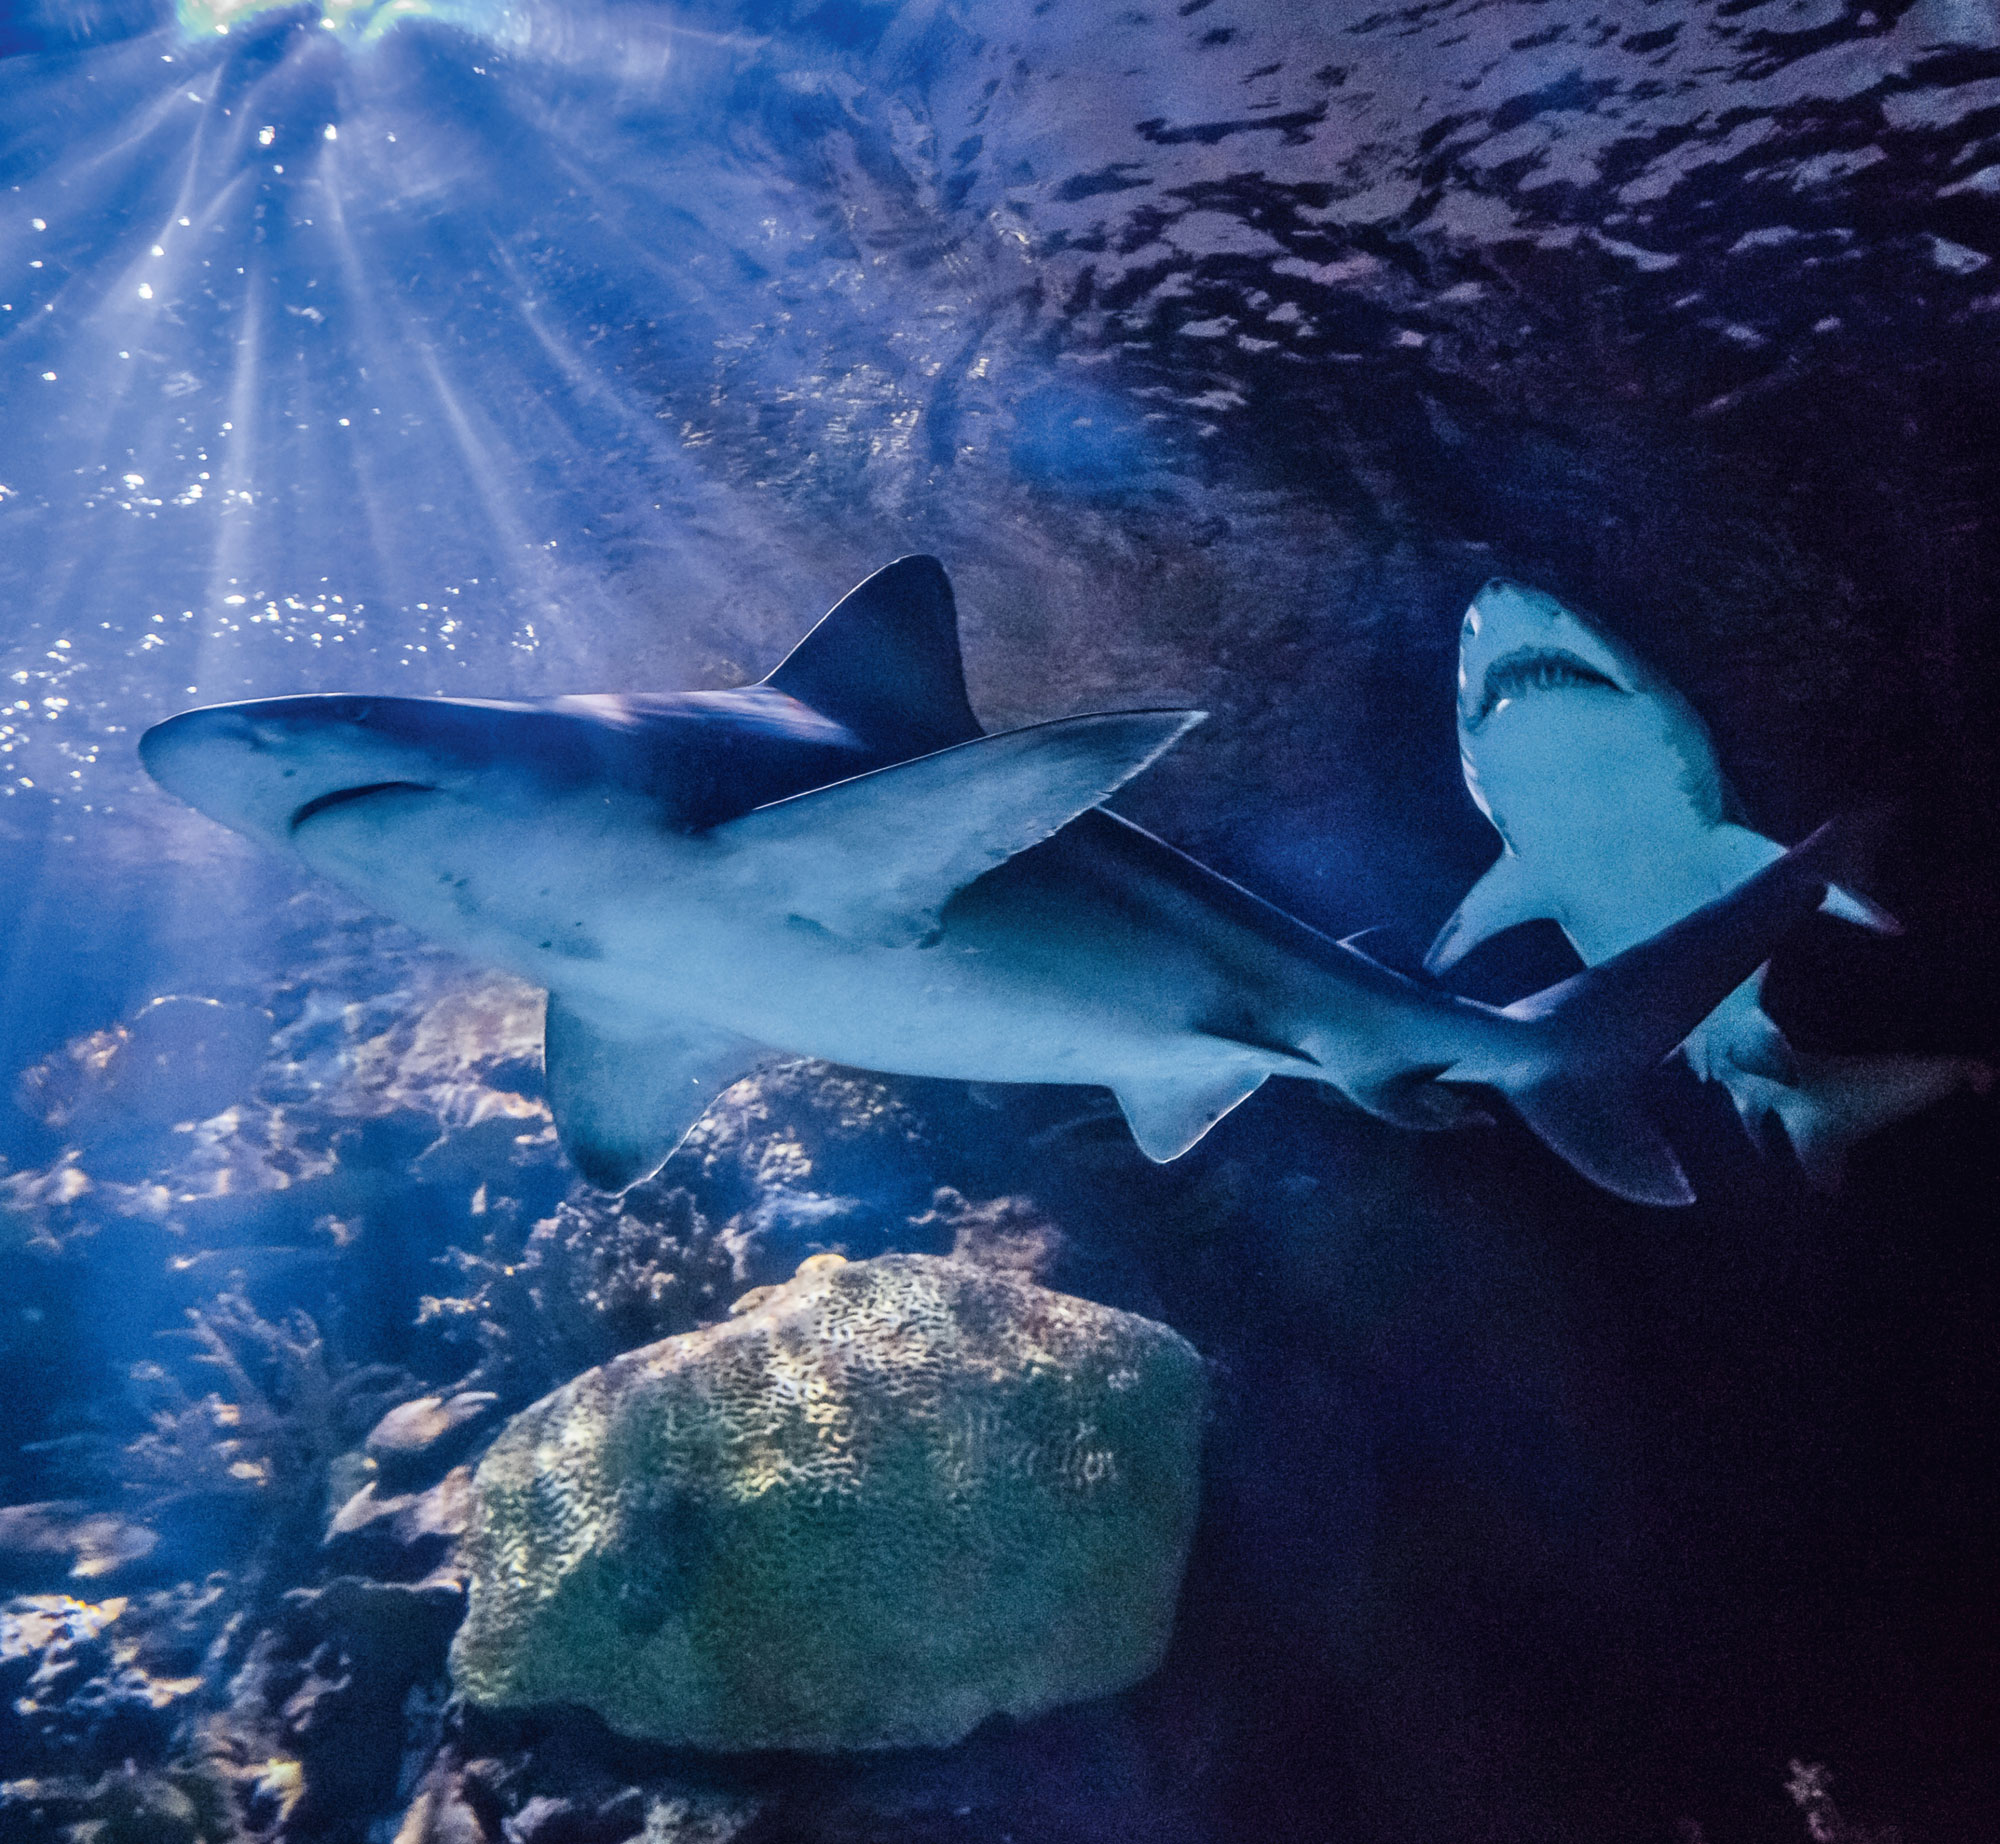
column 881, row 1503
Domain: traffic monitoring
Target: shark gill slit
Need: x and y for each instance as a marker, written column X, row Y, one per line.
column 340, row 797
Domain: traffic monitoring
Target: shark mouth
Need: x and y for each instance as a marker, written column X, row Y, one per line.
column 1535, row 669
column 341, row 797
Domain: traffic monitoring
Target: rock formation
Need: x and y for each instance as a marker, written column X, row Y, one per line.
column 876, row 1506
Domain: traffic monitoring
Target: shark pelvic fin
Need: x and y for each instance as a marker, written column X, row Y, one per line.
column 1606, row 1136
column 1505, row 897
column 621, row 1108
column 877, row 858
column 884, row 662
column 1168, row 1114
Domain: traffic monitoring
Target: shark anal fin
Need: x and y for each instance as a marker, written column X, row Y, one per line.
column 876, row 859
column 1740, row 1036
column 621, row 1108
column 1505, row 897
column 1169, row 1113
column 884, row 662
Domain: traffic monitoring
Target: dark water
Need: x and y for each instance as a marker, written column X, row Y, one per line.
column 1221, row 351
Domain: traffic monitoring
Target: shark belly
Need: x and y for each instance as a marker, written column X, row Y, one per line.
column 1058, row 966
column 1051, row 968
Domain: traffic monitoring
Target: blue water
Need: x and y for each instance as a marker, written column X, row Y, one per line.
column 1221, row 351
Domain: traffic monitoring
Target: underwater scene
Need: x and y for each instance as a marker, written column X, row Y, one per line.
column 999, row 922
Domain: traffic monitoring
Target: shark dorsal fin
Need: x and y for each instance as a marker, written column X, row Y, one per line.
column 884, row 662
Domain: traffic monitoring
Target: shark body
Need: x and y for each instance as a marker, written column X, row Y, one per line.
column 838, row 863
column 1616, row 821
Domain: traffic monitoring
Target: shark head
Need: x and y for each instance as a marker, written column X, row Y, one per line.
column 1517, row 646
column 271, row 768
column 1563, row 731
column 286, row 771
column 474, row 821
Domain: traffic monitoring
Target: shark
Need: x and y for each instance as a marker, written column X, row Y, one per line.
column 1615, row 821
column 839, row 862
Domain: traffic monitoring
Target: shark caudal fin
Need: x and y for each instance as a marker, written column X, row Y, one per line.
column 1574, row 1067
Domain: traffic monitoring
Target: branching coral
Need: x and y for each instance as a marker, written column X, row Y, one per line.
column 600, row 1276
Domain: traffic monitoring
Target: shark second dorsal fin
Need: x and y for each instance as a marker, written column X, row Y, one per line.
column 884, row 663
column 1506, row 896
column 621, row 1108
column 876, row 859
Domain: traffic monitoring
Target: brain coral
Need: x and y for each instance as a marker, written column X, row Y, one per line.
column 882, row 1502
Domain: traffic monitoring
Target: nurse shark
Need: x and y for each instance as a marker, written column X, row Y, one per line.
column 1615, row 821
column 839, row 863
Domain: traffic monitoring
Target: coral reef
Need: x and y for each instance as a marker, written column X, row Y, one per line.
column 601, row 1275
column 883, row 1502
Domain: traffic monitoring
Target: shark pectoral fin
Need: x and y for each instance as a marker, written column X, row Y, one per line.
column 877, row 858
column 1505, row 897
column 1169, row 1113
column 621, row 1108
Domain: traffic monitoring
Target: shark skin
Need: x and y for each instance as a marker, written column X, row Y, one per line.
column 1615, row 821
column 838, row 863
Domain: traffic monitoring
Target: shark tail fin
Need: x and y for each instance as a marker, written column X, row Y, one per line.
column 1574, row 1063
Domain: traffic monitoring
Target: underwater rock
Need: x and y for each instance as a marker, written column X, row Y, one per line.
column 417, row 1440
column 186, row 1804
column 68, row 1537
column 85, row 1685
column 180, row 1058
column 530, row 1800
column 324, row 1703
column 401, row 1536
column 1010, row 1235
column 600, row 1276
column 890, row 1500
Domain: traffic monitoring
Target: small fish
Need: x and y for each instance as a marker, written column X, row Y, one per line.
column 1615, row 821
column 839, row 863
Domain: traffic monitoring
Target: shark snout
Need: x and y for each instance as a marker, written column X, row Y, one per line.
column 1516, row 641
column 258, row 767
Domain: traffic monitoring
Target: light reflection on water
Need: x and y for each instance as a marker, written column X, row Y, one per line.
column 353, row 357
column 360, row 20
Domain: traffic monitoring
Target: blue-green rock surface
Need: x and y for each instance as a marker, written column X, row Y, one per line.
column 879, row 1504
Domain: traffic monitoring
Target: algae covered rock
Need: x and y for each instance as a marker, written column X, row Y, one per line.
column 889, row 1499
